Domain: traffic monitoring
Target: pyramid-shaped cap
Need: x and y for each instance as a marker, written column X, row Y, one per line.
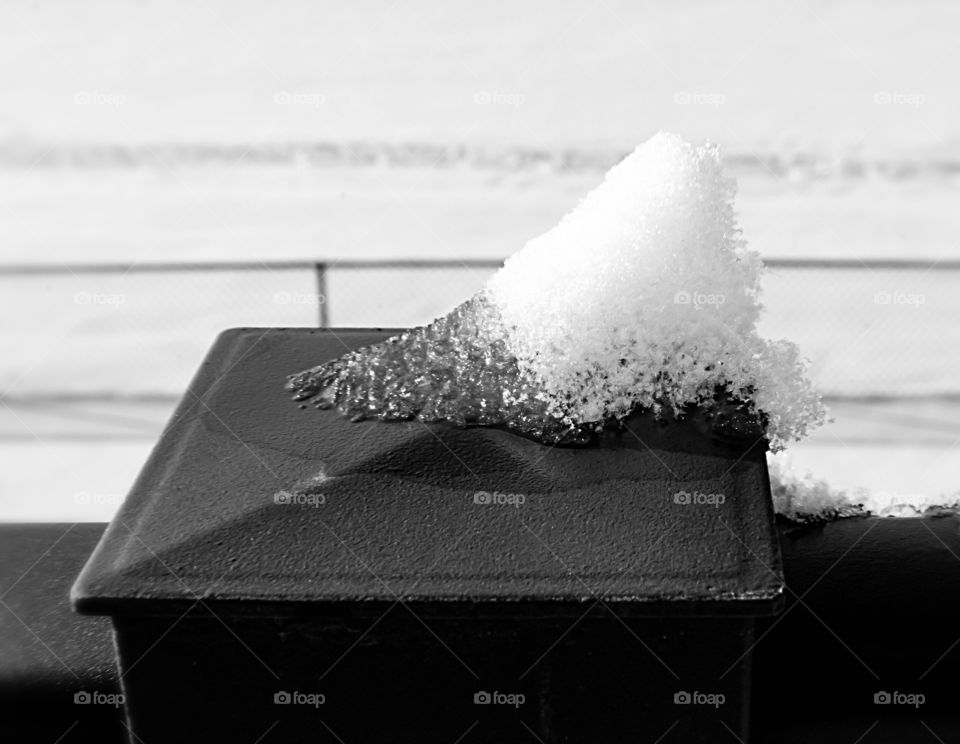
column 248, row 498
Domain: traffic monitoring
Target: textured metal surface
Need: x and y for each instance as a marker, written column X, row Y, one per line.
column 399, row 518
column 873, row 605
column 47, row 653
column 403, row 681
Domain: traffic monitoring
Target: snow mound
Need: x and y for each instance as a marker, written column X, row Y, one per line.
column 644, row 297
column 646, row 294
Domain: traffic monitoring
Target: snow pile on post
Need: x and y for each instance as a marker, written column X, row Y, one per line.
column 643, row 298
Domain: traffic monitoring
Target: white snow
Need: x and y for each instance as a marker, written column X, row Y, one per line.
column 799, row 495
column 646, row 293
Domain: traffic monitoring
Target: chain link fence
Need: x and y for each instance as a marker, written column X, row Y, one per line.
column 870, row 328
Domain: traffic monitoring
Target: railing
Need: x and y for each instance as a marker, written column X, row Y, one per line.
column 319, row 268
column 872, row 327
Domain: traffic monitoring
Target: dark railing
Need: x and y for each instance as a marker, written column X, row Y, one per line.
column 321, row 268
column 832, row 307
column 900, row 573
column 428, row 263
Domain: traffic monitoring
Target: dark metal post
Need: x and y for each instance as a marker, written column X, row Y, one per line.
column 283, row 566
column 321, row 271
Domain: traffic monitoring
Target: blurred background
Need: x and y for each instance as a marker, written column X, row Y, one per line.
column 168, row 170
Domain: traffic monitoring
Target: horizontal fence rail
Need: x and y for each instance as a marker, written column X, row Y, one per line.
column 872, row 328
column 120, row 268
column 428, row 263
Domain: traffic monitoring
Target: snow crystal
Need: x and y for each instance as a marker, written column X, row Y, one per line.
column 801, row 497
column 645, row 296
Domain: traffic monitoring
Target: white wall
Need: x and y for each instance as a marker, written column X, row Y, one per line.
column 797, row 74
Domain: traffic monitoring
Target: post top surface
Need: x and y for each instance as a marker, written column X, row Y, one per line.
column 248, row 498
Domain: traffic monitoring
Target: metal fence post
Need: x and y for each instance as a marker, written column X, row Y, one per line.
column 321, row 268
